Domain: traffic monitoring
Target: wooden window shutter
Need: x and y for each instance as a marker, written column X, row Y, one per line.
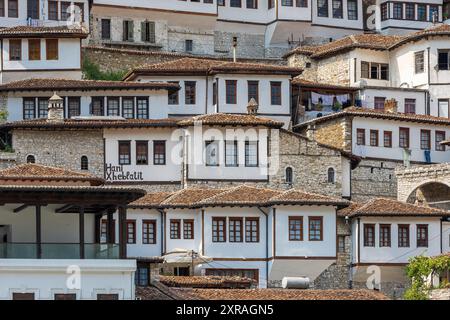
column 130, row 30
column 124, row 30
column 152, row 32
column 143, row 31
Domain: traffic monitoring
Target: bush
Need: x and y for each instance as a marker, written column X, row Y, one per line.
column 91, row 71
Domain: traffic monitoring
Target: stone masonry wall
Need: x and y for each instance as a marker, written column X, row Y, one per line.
column 61, row 148
column 334, row 70
column 302, row 61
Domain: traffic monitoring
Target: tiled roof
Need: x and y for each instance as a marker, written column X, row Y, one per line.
column 378, row 114
column 197, row 66
column 49, row 84
column 388, row 207
column 439, row 30
column 31, row 171
column 221, row 119
column 206, row 282
column 242, row 195
column 30, row 31
column 320, row 85
column 279, row 294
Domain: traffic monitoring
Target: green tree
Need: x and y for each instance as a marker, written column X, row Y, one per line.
column 91, row 71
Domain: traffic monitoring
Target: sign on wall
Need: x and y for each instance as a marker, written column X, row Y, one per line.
column 117, row 173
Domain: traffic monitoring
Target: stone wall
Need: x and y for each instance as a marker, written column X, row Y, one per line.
column 308, row 65
column 61, row 148
column 249, row 45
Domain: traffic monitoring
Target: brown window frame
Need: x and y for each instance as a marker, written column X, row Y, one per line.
column 158, row 161
column 188, row 222
column 13, row 12
column 366, row 241
column 175, row 233
column 50, row 53
column 224, row 231
column 132, row 239
column 70, row 109
column 23, row 296
column 410, row 106
column 387, row 134
column 253, row 84
column 249, row 238
column 311, row 219
column 358, row 132
column 50, row 12
column 419, row 242
column 422, row 141
column 276, row 99
column 146, row 239
column 104, row 222
column 293, row 237
column 377, row 102
column 34, row 44
column 376, row 134
column 232, row 232
column 231, row 91
column 139, row 144
column 400, row 130
column 173, row 95
column 17, row 42
column 385, row 242
column 403, row 239
column 93, row 109
column 128, row 144
column 107, row 296
column 65, row 296
column 438, row 146
column 190, row 95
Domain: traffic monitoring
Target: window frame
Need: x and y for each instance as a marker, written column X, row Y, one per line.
column 250, row 238
column 419, row 242
column 360, row 137
column 425, row 144
column 132, row 239
column 404, row 240
column 404, row 130
column 146, row 239
column 216, row 238
column 367, row 241
column 144, row 144
column 247, row 155
column 175, row 233
column 233, row 233
column 384, row 239
column 157, row 161
column 294, row 237
column 34, row 49
column 374, row 142
column 389, row 135
column 276, row 98
column 320, row 230
column 124, row 143
column 186, row 231
column 231, row 91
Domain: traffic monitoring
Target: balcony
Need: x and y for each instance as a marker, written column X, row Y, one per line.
column 58, row 251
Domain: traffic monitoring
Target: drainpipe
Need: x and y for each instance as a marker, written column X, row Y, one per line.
column 163, row 235
column 267, row 244
column 206, row 94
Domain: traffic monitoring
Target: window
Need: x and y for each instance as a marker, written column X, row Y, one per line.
column 365, row 70
column 51, row 46
column 13, row 8
column 65, row 11
column 315, row 228
column 289, row 175
column 149, row 231
column 23, row 296
column 385, row 235
column 31, row 159
column 434, row 13
column 131, row 231
column 403, row 235
column 253, row 90
column 369, row 235
column 104, row 296
column 251, row 153
column 231, row 88
column 104, row 230
column 419, row 64
column 33, row 9
column 374, row 138
column 295, row 228
column 337, row 9
column 189, row 92
column 128, row 30
column 322, row 8
column 425, row 139
column 141, row 277
column 188, row 45
column 410, row 11
column 34, row 49
column 443, row 109
column 387, row 137
column 361, row 137
column 124, row 152
column 159, row 153
column 231, row 153
column 410, row 106
column 275, row 93
column 42, row 107
column 235, row 229
column 113, row 108
column 219, row 229
column 235, row 3
column 252, row 4
column 379, row 103
column 251, row 229
column 52, row 10
column 352, row 9
column 106, row 29
column 148, row 33
column 15, row 50
column 141, row 152
column 422, row 235
column 371, row 70
column 29, row 108
column 97, row 108
column 404, row 138
column 84, row 163
column 65, row 296
column 173, row 95
column 398, row 11
column 212, row 153
column 142, row 108
column 341, row 244
column 422, row 12
column 242, row 273
column 301, row 3
column 271, row 4
column 439, row 136
column 128, row 107
column 74, row 107
column 384, row 11
column 443, row 60
column 221, row 3
column 214, row 88
column 188, row 229
column 331, row 175
column 175, row 229
column 287, row 3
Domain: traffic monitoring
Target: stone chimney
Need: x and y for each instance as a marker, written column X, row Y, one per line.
column 55, row 109
column 311, row 131
column 252, row 107
column 390, row 106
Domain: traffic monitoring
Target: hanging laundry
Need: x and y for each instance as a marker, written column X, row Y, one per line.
column 427, row 154
column 406, row 157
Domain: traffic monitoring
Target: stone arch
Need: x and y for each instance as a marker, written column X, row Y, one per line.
column 431, row 193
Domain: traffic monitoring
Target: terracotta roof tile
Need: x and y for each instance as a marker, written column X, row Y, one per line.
column 438, row 30
column 294, row 196
column 189, row 197
column 231, row 119
column 60, row 31
column 389, row 207
column 49, row 84
column 151, row 200
column 206, row 282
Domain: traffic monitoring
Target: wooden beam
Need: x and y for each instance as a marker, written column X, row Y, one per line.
column 110, row 228
column 81, row 229
column 20, row 208
column 63, row 208
column 38, row 233
column 123, row 232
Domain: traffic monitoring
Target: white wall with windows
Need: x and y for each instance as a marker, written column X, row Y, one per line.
column 416, row 99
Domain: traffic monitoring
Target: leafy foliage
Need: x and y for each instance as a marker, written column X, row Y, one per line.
column 91, row 71
column 419, row 270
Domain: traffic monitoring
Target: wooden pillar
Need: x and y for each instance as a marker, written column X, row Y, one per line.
column 97, row 225
column 81, row 229
column 122, row 232
column 38, row 233
column 110, row 228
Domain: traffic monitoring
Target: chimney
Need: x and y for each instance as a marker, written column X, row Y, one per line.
column 55, row 109
column 234, row 48
column 390, row 106
column 311, row 131
column 252, row 107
